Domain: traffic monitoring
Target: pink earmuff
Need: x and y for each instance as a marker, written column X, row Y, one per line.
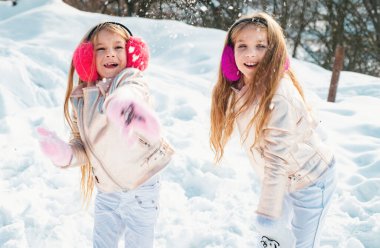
column 84, row 64
column 229, row 67
column 137, row 53
column 287, row 64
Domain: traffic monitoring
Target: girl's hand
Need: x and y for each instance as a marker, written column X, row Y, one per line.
column 134, row 117
column 58, row 151
column 273, row 233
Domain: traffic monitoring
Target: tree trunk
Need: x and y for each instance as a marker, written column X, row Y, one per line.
column 338, row 66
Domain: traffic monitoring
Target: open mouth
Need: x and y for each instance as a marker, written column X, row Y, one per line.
column 251, row 65
column 110, row 65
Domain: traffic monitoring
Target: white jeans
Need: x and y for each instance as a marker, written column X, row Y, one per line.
column 133, row 213
column 307, row 208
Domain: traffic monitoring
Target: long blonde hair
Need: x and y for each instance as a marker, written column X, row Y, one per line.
column 87, row 180
column 265, row 83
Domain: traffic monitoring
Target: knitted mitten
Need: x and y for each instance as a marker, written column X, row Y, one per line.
column 59, row 152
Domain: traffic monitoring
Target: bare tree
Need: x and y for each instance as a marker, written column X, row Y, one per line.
column 317, row 27
column 305, row 14
column 373, row 16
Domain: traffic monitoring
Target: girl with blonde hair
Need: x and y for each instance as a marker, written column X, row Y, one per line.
column 258, row 93
column 116, row 138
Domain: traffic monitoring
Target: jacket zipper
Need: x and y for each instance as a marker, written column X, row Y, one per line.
column 93, row 154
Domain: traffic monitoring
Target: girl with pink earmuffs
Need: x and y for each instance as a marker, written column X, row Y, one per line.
column 257, row 92
column 116, row 138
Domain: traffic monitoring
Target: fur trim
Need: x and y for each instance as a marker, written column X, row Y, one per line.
column 229, row 67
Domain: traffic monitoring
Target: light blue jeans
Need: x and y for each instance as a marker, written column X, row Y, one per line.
column 306, row 209
column 132, row 214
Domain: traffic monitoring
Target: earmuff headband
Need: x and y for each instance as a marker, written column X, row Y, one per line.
column 137, row 53
column 228, row 63
column 115, row 23
column 258, row 20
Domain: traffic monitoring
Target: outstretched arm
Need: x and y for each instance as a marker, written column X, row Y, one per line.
column 128, row 111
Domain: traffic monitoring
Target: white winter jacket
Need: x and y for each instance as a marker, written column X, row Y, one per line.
column 116, row 166
column 291, row 155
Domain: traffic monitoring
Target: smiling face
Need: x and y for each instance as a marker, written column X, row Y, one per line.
column 110, row 53
column 251, row 44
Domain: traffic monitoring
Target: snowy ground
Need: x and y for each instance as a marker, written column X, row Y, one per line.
column 201, row 205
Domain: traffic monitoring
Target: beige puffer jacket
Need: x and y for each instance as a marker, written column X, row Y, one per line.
column 116, row 166
column 291, row 155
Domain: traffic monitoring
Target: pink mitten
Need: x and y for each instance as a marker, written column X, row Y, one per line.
column 134, row 117
column 57, row 150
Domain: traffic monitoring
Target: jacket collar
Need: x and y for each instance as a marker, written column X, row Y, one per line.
column 102, row 85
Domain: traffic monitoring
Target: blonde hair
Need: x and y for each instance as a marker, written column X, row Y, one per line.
column 87, row 180
column 265, row 83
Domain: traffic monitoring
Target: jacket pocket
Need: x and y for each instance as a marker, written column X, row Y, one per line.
column 159, row 156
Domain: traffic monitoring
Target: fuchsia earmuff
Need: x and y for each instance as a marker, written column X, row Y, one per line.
column 228, row 64
column 83, row 59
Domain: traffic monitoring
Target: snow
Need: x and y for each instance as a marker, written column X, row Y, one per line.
column 202, row 205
